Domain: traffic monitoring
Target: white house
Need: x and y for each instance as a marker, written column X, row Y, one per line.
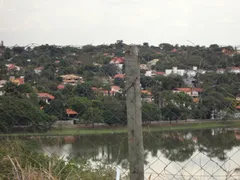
column 38, row 70
column 194, row 71
column 220, row 71
column 235, row 70
column 150, row 73
column 175, row 71
column 143, row 67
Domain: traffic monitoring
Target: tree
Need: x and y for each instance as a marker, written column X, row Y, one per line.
column 150, row 112
column 109, row 69
column 146, row 44
column 214, row 47
column 11, row 90
column 175, row 148
column 79, row 104
column 18, row 49
column 83, row 90
column 119, row 82
column 56, row 108
column 166, row 46
column 7, row 53
column 15, row 111
column 25, row 88
column 147, row 82
column 114, row 111
column 93, row 115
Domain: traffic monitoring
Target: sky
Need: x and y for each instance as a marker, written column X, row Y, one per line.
column 81, row 22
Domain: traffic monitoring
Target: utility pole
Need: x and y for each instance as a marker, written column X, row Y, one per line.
column 134, row 114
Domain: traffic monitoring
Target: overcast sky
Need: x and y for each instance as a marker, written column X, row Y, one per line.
column 80, row 22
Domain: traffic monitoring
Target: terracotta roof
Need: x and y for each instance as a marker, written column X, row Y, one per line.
column 39, row 68
column 238, row 107
column 146, row 92
column 235, row 68
column 70, row 76
column 61, row 86
column 94, row 89
column 115, row 88
column 160, row 73
column 122, row 76
column 118, row 60
column 46, row 95
column 189, row 89
column 71, row 112
column 196, row 100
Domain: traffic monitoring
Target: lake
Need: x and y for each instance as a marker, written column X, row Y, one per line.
column 201, row 154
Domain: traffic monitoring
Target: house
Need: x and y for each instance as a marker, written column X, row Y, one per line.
column 97, row 64
column 175, row 71
column 152, row 63
column 174, row 50
column 227, row 51
column 238, row 98
column 71, row 113
column 192, row 72
column 60, row 86
column 12, row 67
column 121, row 76
column 117, row 60
column 143, row 66
column 193, row 92
column 2, row 83
column 150, row 73
column 45, row 97
column 38, row 70
column 235, row 70
column 116, row 89
column 17, row 81
column 112, row 92
column 237, row 135
column 72, row 79
column 220, row 71
column 160, row 73
column 146, row 92
column 146, row 96
column 108, row 54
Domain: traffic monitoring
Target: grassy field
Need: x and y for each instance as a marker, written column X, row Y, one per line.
column 166, row 127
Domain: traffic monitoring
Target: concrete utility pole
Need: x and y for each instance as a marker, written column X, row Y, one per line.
column 134, row 114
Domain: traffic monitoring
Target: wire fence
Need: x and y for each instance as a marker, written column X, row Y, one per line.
column 70, row 104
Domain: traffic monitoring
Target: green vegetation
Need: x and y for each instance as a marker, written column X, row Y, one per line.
column 94, row 98
column 112, row 130
column 21, row 160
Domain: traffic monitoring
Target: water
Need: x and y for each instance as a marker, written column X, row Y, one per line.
column 205, row 154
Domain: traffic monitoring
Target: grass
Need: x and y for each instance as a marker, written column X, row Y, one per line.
column 19, row 160
column 168, row 127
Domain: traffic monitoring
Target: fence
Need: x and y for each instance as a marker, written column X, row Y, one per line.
column 77, row 105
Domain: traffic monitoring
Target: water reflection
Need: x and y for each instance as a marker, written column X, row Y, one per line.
column 168, row 155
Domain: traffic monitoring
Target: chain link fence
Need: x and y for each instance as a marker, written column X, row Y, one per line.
column 69, row 104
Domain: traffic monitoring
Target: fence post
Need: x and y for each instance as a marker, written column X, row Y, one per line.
column 134, row 114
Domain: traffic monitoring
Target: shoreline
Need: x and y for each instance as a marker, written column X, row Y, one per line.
column 67, row 131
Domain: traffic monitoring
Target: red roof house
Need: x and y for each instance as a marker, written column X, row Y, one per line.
column 60, row 86
column 121, row 76
column 194, row 92
column 117, row 60
column 46, row 97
